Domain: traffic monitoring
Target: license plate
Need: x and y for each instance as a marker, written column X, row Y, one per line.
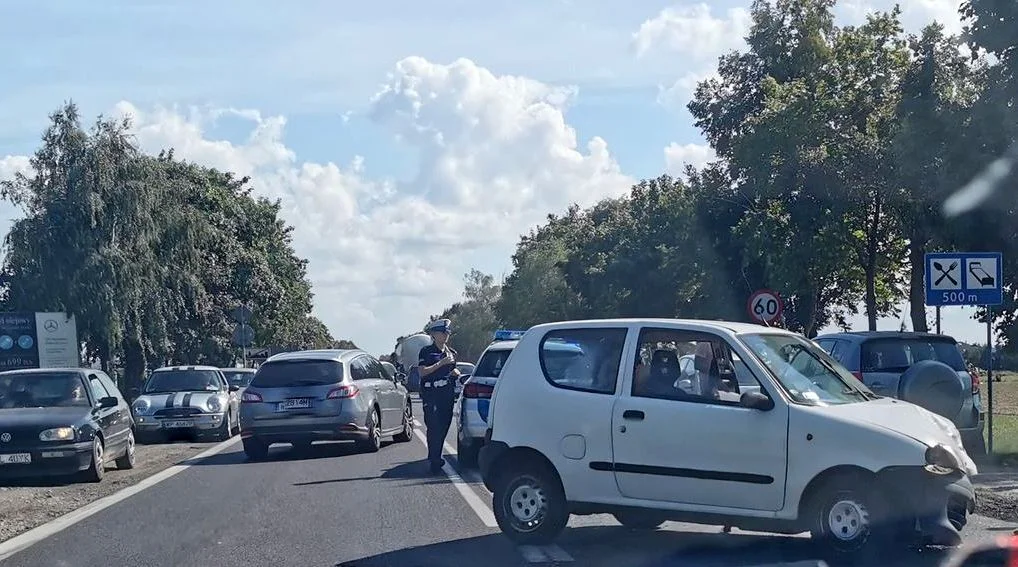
column 178, row 423
column 296, row 403
column 16, row 459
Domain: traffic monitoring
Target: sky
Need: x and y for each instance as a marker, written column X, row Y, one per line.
column 407, row 141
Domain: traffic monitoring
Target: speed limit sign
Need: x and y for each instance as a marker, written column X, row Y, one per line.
column 765, row 306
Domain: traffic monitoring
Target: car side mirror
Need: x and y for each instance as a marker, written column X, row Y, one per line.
column 401, row 378
column 234, row 388
column 107, row 402
column 757, row 401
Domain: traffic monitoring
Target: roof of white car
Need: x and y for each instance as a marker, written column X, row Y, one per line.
column 185, row 367
column 502, row 345
column 338, row 355
column 731, row 326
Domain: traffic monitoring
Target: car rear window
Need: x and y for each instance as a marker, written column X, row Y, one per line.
column 293, row 373
column 896, row 355
column 491, row 363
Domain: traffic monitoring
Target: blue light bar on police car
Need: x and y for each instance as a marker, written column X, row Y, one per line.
column 505, row 335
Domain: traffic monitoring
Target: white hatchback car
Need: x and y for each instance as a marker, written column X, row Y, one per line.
column 775, row 437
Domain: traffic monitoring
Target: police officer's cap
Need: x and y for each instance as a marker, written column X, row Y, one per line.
column 439, row 326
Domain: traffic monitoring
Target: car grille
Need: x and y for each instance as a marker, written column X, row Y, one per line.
column 178, row 412
column 20, row 437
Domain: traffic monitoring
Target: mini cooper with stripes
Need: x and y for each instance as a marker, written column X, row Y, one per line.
column 195, row 400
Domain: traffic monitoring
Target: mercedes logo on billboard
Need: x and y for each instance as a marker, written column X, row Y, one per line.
column 51, row 325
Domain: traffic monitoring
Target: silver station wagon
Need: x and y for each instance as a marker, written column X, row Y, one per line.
column 323, row 395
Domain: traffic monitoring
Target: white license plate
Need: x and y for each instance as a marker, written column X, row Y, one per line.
column 178, row 424
column 297, row 403
column 16, row 459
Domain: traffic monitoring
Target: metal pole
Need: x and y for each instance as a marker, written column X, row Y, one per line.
column 243, row 346
column 989, row 380
column 938, row 320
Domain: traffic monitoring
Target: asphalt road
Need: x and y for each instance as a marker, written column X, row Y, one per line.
column 333, row 507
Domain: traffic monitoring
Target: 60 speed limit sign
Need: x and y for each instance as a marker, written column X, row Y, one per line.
column 765, row 306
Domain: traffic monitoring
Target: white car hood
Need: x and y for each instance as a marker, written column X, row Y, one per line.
column 910, row 420
column 193, row 399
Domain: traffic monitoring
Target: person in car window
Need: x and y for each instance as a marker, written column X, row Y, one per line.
column 437, row 365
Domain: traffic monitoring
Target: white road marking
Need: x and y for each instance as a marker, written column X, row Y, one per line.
column 35, row 535
column 476, row 504
column 531, row 553
column 557, row 554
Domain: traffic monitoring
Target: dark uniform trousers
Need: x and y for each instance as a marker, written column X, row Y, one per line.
column 438, row 404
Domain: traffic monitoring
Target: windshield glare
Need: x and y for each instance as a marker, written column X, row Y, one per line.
column 805, row 371
column 182, row 381
column 42, row 390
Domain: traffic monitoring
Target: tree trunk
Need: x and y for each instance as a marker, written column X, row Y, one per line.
column 917, row 286
column 134, row 363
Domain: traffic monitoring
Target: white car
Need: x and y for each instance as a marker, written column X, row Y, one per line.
column 796, row 444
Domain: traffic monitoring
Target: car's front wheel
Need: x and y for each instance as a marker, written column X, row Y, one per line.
column 126, row 461
column 97, row 466
column 529, row 503
column 850, row 519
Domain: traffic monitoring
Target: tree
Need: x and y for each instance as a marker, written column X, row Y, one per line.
column 150, row 253
column 474, row 319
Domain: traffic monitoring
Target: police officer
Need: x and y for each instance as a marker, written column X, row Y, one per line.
column 437, row 367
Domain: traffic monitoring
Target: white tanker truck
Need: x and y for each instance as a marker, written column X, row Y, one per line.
column 407, row 350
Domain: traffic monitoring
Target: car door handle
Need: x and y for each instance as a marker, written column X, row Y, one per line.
column 632, row 414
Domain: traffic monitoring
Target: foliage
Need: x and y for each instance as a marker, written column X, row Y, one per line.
column 150, row 253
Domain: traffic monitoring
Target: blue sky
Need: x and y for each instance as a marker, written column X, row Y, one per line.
column 409, row 141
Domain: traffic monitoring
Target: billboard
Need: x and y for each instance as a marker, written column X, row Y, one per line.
column 38, row 340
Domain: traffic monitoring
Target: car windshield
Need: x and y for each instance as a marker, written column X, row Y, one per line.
column 42, row 390
column 182, row 381
column 805, row 371
column 237, row 378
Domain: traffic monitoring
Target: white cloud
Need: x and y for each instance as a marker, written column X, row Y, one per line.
column 495, row 156
column 678, row 156
column 915, row 14
column 693, row 31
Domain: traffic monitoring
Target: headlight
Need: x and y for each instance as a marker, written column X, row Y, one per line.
column 141, row 407
column 940, row 460
column 214, row 405
column 57, row 434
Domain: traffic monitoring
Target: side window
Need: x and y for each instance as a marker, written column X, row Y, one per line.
column 98, row 390
column 689, row 366
column 358, row 369
column 110, row 386
column 376, row 371
column 583, row 359
column 827, row 344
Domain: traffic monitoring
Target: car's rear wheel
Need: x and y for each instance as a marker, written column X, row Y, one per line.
column 639, row 519
column 255, row 449
column 407, row 434
column 126, row 461
column 97, row 467
column 467, row 452
column 529, row 503
column 372, row 441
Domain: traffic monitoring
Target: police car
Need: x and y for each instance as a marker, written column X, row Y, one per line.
column 471, row 413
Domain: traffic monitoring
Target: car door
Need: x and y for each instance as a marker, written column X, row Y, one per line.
column 125, row 420
column 388, row 397
column 110, row 420
column 232, row 397
column 673, row 446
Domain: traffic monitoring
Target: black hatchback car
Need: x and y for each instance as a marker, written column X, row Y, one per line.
column 63, row 421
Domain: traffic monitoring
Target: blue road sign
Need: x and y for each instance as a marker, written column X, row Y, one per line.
column 964, row 278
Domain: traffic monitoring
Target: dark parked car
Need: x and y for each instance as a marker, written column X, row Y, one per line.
column 926, row 369
column 63, row 421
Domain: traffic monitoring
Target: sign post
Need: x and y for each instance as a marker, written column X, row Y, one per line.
column 968, row 278
column 765, row 306
column 243, row 334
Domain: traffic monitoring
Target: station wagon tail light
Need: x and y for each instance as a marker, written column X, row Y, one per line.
column 342, row 392
column 976, row 381
column 250, row 398
column 472, row 390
